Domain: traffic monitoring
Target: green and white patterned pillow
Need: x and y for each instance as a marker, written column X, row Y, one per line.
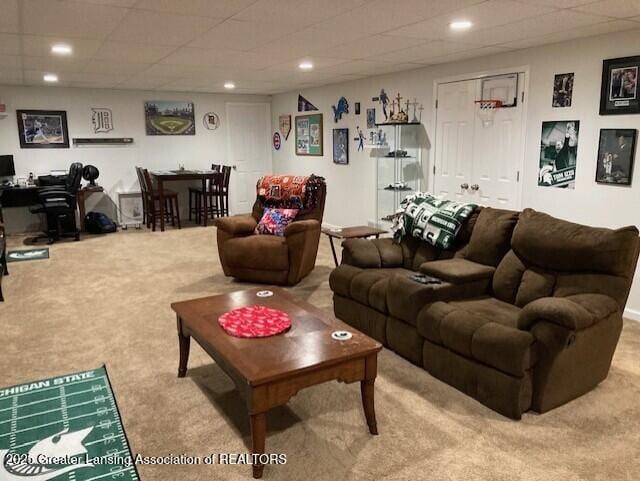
column 433, row 220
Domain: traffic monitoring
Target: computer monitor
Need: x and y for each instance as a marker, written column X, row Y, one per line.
column 7, row 168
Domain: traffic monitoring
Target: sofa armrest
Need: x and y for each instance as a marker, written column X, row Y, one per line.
column 374, row 253
column 237, row 224
column 457, row 270
column 575, row 312
column 301, row 226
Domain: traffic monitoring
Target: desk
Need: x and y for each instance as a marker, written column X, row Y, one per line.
column 163, row 176
column 83, row 193
column 18, row 197
column 357, row 232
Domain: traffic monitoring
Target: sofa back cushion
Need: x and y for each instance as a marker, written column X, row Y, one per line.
column 491, row 236
column 553, row 257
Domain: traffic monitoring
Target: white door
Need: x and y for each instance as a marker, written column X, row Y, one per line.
column 476, row 161
column 249, row 147
column 454, row 135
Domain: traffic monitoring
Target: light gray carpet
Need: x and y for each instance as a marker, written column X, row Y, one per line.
column 106, row 300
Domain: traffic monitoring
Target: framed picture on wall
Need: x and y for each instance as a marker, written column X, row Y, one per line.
column 166, row 117
column 562, row 90
column 619, row 91
column 309, row 138
column 616, row 152
column 43, row 129
column 558, row 153
column 341, row 146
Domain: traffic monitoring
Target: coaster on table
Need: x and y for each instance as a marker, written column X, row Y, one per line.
column 254, row 321
column 341, row 335
column 264, row 293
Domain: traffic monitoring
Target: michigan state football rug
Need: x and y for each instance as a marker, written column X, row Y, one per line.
column 63, row 428
column 28, row 255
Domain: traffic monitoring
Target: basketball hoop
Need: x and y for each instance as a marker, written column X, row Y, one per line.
column 487, row 109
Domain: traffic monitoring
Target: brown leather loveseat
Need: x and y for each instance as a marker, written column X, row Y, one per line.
column 527, row 316
column 267, row 258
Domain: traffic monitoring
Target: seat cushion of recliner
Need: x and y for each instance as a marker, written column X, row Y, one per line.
column 260, row 252
column 483, row 329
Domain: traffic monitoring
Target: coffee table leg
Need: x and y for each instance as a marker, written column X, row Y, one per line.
column 185, row 342
column 258, row 434
column 366, row 389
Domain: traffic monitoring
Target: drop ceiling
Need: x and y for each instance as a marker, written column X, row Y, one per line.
column 197, row 45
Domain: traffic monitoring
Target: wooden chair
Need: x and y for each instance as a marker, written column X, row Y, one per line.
column 152, row 200
column 214, row 204
column 218, row 193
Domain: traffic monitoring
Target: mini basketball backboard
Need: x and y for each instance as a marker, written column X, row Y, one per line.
column 503, row 88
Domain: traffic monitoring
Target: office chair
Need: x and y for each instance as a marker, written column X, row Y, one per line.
column 59, row 204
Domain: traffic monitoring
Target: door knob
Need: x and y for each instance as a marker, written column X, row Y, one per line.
column 464, row 186
column 475, row 187
column 234, row 167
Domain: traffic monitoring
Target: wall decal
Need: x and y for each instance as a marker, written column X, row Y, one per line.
column 43, row 129
column 304, row 105
column 166, row 117
column 277, row 142
column 615, row 156
column 558, row 153
column 341, row 108
column 360, row 138
column 383, row 98
column 562, row 90
column 211, row 121
column 285, row 125
column 101, row 120
column 341, row 146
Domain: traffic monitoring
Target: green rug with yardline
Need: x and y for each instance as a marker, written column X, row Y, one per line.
column 65, row 428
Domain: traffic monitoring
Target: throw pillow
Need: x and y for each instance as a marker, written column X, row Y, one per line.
column 274, row 221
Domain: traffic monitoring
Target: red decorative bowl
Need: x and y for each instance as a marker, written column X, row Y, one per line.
column 254, row 321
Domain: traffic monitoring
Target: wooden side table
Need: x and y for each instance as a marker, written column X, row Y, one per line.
column 83, row 193
column 356, row 232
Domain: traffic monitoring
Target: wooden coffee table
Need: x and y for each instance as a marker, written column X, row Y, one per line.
column 356, row 232
column 269, row 371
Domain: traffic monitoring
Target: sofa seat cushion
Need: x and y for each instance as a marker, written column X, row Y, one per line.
column 457, row 271
column 367, row 286
column 483, row 329
column 268, row 252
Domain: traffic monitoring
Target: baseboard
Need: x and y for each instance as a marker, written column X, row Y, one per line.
column 632, row 314
column 326, row 225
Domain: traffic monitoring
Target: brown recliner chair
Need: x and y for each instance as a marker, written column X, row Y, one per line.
column 270, row 259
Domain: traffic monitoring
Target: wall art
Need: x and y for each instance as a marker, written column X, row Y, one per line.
column 304, row 105
column 285, row 125
column 616, row 152
column 341, row 108
column 558, row 153
column 619, row 90
column 371, row 118
column 309, row 135
column 101, row 120
column 211, row 121
column 43, row 129
column 341, row 146
column 562, row 90
column 166, row 117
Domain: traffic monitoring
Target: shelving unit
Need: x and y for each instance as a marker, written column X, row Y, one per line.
column 397, row 174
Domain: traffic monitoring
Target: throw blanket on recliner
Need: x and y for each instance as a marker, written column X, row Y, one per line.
column 433, row 220
column 289, row 191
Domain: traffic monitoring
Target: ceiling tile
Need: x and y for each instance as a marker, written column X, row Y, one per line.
column 109, row 67
column 302, row 43
column 557, row 3
column 200, row 8
column 38, row 46
column 569, row 34
column 613, row 8
column 169, row 71
column 113, row 3
column 11, row 77
column 9, row 44
column 468, row 54
column 11, row 62
column 69, row 19
column 133, row 53
column 142, row 26
column 9, row 17
column 239, row 35
column 296, row 12
column 420, row 53
column 143, row 82
column 375, row 45
column 54, row 64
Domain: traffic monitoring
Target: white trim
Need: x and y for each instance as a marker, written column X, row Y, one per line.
column 632, row 314
column 326, row 225
column 524, row 69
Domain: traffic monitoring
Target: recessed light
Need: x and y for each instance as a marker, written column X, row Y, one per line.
column 229, row 85
column 305, row 65
column 61, row 49
column 460, row 25
column 50, row 77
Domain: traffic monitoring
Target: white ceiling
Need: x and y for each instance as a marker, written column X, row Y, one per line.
column 197, row 45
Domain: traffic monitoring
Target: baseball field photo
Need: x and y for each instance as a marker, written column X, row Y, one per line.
column 165, row 117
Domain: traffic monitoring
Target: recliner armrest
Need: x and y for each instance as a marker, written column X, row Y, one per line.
column 301, row 226
column 237, row 224
column 372, row 254
column 457, row 270
column 575, row 312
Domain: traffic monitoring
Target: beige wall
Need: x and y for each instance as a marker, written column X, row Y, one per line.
column 351, row 189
